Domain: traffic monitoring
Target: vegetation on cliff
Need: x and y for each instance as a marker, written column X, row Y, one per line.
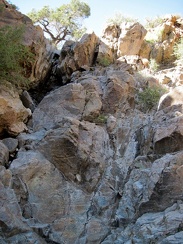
column 15, row 57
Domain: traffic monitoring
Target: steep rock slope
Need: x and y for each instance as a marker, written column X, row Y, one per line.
column 94, row 166
column 96, row 169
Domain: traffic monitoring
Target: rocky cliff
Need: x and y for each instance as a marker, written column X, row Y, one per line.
column 95, row 164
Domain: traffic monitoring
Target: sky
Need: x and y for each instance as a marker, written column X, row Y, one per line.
column 101, row 10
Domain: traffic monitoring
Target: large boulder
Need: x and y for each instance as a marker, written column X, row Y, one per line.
column 168, row 135
column 52, row 206
column 118, row 93
column 107, row 50
column 14, row 228
column 77, row 55
column 4, row 154
column 131, row 38
column 77, row 150
column 172, row 77
column 159, row 41
column 175, row 96
column 67, row 101
column 13, row 114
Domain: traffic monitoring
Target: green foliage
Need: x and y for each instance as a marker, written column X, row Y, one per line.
column 1, row 8
column 149, row 97
column 154, row 22
column 119, row 18
column 154, row 36
column 15, row 57
column 64, row 22
column 104, row 61
column 153, row 65
column 101, row 119
column 178, row 50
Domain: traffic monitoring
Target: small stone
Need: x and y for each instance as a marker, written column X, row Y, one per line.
column 11, row 144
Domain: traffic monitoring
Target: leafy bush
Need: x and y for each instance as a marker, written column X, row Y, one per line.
column 101, row 119
column 15, row 58
column 154, row 22
column 153, row 65
column 149, row 97
column 119, row 18
column 155, row 35
column 178, row 50
column 104, row 61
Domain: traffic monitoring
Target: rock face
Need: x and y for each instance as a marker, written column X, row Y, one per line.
column 94, row 166
column 130, row 39
column 13, row 115
column 159, row 41
column 172, row 98
column 77, row 150
column 77, row 55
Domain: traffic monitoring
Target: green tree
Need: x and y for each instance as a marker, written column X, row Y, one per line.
column 63, row 22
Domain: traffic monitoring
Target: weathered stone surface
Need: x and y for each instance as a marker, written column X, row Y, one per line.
column 93, row 168
column 11, row 221
column 63, row 209
column 64, row 102
column 27, row 100
column 4, row 154
column 172, row 77
column 93, row 98
column 107, row 50
column 13, row 113
column 11, row 143
column 111, row 33
column 75, row 55
column 5, row 176
column 173, row 97
column 71, row 149
column 162, row 38
column 168, row 131
column 168, row 187
column 105, row 55
column 145, row 50
column 118, row 90
column 131, row 38
column 154, row 226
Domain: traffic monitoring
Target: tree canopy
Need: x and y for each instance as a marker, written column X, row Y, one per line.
column 63, row 22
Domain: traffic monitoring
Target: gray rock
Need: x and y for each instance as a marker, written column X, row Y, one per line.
column 27, row 100
column 6, row 177
column 63, row 209
column 71, row 149
column 11, row 144
column 64, row 102
column 4, row 154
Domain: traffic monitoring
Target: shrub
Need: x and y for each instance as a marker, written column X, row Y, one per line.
column 155, row 35
column 178, row 50
column 101, row 119
column 149, row 97
column 153, row 65
column 154, row 22
column 104, row 61
column 15, row 58
column 119, row 18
